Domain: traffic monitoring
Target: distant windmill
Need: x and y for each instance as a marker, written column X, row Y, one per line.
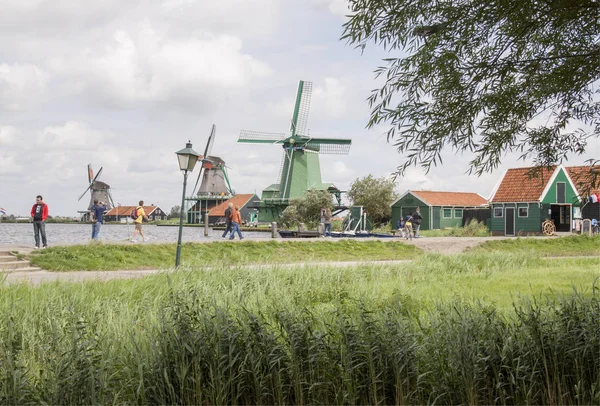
column 300, row 168
column 99, row 190
column 213, row 177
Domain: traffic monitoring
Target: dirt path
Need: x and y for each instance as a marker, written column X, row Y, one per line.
column 441, row 245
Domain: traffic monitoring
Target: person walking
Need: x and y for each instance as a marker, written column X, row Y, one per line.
column 236, row 220
column 39, row 212
column 417, row 218
column 227, row 220
column 140, row 216
column 327, row 218
column 97, row 214
column 408, row 220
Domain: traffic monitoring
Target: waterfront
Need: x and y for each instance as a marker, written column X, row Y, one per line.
column 58, row 234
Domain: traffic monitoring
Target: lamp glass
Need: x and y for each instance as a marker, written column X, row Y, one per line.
column 187, row 158
column 183, row 161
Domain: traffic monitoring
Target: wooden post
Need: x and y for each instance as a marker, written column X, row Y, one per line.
column 206, row 224
column 274, row 229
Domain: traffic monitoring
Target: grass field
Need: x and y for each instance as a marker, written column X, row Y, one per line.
column 576, row 245
column 491, row 326
column 440, row 329
column 155, row 256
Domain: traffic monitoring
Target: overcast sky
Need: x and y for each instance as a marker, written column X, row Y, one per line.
column 124, row 84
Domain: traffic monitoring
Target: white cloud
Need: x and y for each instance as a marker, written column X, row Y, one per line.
column 331, row 98
column 8, row 163
column 21, row 86
column 8, row 135
column 339, row 8
column 72, row 136
column 148, row 66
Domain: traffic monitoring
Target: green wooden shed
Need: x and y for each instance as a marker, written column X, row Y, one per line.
column 525, row 197
column 439, row 209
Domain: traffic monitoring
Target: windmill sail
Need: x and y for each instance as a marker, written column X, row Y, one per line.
column 259, row 137
column 300, row 117
column 207, row 151
column 331, row 146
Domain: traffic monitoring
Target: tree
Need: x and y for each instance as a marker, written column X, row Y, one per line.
column 306, row 209
column 375, row 195
column 175, row 212
column 485, row 76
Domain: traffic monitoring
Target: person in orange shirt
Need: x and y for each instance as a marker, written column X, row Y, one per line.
column 236, row 220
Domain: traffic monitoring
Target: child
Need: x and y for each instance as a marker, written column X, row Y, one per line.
column 401, row 226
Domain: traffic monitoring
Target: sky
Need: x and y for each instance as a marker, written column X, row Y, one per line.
column 123, row 85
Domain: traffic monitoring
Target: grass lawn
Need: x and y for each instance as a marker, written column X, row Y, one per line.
column 439, row 328
column 576, row 245
column 494, row 278
column 156, row 256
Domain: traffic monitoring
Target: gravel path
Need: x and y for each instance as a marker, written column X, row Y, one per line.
column 441, row 245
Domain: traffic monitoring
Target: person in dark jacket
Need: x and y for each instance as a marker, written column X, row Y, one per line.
column 39, row 212
column 227, row 220
column 97, row 213
column 417, row 218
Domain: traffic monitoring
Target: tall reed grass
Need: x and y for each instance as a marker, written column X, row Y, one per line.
column 291, row 336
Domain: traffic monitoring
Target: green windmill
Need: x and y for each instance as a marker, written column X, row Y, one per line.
column 300, row 168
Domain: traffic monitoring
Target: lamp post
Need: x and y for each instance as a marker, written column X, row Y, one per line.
column 187, row 158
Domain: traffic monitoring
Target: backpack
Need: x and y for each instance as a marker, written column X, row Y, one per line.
column 134, row 213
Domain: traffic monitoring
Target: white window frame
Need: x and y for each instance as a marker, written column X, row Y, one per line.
column 501, row 212
column 461, row 213
column 519, row 211
column 444, row 212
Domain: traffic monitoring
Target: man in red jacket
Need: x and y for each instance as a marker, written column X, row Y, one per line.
column 39, row 212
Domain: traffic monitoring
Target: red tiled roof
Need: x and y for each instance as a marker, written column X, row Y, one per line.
column 449, row 198
column 126, row 210
column 518, row 185
column 238, row 200
column 585, row 179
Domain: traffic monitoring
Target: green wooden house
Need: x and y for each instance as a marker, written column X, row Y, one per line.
column 524, row 198
column 439, row 209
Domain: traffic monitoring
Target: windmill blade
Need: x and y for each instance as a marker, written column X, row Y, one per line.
column 331, row 146
column 207, row 150
column 90, row 173
column 97, row 175
column 257, row 137
column 211, row 141
column 110, row 198
column 86, row 190
column 302, row 107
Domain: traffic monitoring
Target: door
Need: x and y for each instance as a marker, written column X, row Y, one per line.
column 509, row 221
column 561, row 216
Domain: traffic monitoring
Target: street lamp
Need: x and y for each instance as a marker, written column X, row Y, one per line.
column 187, row 158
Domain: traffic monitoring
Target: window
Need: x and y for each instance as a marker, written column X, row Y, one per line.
column 523, row 211
column 497, row 211
column 458, row 213
column 447, row 213
column 561, row 189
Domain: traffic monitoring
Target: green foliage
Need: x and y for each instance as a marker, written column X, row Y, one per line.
column 306, row 209
column 158, row 256
column 311, row 335
column 175, row 212
column 472, row 229
column 376, row 195
column 475, row 74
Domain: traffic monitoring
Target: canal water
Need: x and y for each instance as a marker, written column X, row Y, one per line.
column 57, row 234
